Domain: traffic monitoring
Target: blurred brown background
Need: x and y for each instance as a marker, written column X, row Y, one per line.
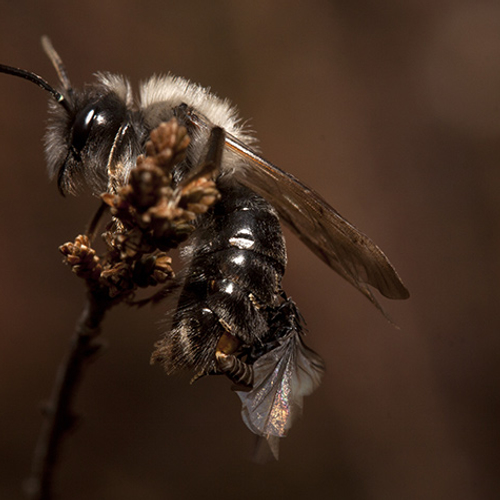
column 391, row 109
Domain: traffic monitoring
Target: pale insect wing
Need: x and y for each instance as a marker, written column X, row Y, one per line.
column 329, row 235
column 282, row 377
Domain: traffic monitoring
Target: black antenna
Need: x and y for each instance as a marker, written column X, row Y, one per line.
column 38, row 80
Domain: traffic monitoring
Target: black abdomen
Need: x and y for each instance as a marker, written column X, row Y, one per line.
column 237, row 258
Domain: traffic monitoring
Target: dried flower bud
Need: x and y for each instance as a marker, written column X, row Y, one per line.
column 163, row 268
column 152, row 270
column 150, row 217
column 118, row 279
column 82, row 258
column 168, row 145
column 145, row 186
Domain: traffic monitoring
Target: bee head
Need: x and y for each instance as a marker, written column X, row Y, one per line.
column 91, row 140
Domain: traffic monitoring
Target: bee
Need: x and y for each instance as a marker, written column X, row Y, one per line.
column 232, row 315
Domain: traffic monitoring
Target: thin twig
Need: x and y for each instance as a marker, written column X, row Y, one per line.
column 59, row 414
column 150, row 217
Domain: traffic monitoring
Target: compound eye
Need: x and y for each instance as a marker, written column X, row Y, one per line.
column 82, row 126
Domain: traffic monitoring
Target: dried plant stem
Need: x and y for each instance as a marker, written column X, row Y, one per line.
column 59, row 414
column 150, row 217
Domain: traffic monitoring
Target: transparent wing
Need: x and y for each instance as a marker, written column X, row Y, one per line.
column 330, row 236
column 282, row 377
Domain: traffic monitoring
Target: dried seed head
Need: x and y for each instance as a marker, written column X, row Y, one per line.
column 149, row 202
column 167, row 145
column 163, row 268
column 150, row 217
column 82, row 259
column 145, row 186
column 152, row 270
column 118, row 280
column 198, row 196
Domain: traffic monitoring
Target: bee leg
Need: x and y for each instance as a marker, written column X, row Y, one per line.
column 92, row 227
column 236, row 370
column 216, row 143
column 213, row 158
